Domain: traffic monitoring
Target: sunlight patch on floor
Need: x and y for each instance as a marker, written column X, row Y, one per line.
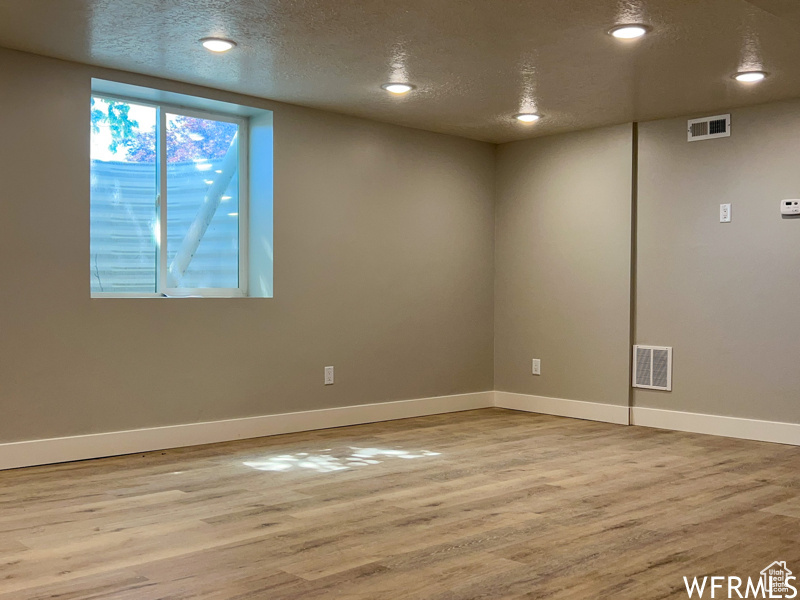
column 328, row 460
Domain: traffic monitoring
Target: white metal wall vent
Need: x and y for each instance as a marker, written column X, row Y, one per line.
column 652, row 367
column 709, row 128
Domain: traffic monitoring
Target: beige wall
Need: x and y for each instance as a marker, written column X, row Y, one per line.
column 725, row 296
column 562, row 262
column 383, row 245
column 388, row 242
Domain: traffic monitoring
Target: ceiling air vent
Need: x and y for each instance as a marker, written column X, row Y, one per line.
column 709, row 128
column 652, row 367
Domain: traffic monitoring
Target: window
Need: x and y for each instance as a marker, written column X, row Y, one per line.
column 169, row 200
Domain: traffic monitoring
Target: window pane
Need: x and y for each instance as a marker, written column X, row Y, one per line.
column 123, row 198
column 202, row 203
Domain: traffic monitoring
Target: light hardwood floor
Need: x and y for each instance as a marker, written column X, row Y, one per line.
column 483, row 504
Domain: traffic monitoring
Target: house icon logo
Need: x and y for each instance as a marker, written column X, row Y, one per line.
column 776, row 579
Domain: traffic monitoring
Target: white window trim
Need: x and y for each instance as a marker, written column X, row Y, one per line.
column 161, row 193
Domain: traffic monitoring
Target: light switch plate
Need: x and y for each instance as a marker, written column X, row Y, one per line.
column 536, row 366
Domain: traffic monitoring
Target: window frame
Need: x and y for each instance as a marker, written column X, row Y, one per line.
column 162, row 200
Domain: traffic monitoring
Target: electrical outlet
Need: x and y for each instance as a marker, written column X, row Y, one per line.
column 536, row 367
column 724, row 213
column 328, row 375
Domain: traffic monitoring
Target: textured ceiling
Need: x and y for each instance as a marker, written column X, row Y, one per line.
column 475, row 62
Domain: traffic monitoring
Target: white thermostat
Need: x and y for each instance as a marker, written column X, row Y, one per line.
column 790, row 207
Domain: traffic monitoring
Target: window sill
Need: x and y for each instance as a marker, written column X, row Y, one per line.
column 95, row 295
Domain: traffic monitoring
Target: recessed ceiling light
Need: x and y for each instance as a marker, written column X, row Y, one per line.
column 750, row 76
column 217, row 44
column 397, row 88
column 527, row 117
column 629, row 32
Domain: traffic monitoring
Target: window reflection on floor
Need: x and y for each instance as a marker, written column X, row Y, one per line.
column 329, row 460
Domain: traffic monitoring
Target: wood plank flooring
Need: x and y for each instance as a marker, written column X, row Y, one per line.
column 483, row 504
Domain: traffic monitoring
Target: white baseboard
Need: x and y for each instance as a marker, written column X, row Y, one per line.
column 81, row 447
column 98, row 445
column 746, row 429
column 577, row 409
